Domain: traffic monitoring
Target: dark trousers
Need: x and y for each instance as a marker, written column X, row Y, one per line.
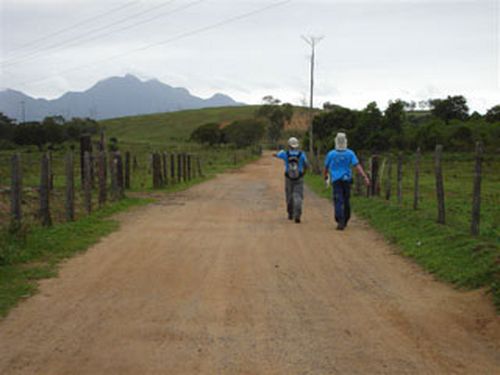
column 341, row 195
column 294, row 195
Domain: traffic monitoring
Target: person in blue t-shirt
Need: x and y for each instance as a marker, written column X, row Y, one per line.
column 338, row 164
column 295, row 168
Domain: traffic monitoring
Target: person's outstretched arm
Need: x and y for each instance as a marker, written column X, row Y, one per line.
column 278, row 154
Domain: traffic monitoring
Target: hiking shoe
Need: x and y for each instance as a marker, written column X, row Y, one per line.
column 340, row 226
column 290, row 217
column 297, row 220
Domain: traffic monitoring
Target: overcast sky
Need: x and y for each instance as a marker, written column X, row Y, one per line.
column 372, row 50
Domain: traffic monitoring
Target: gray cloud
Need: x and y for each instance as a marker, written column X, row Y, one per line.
column 372, row 50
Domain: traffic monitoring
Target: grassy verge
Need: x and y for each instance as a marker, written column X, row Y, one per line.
column 447, row 252
column 34, row 254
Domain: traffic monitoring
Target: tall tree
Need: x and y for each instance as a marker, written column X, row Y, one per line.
column 395, row 115
column 276, row 114
column 493, row 114
column 451, row 108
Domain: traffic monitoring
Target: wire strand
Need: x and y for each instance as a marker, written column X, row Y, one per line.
column 170, row 40
column 73, row 39
column 85, row 21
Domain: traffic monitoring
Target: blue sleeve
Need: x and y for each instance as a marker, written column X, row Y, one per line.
column 304, row 159
column 354, row 159
column 281, row 154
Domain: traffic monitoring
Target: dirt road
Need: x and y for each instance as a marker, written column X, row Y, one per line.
column 216, row 280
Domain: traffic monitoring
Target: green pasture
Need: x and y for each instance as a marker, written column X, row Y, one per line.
column 171, row 128
column 448, row 251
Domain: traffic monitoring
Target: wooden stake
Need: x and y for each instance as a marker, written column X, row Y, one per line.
column 416, row 190
column 16, row 191
column 439, row 184
column 400, row 179
column 388, row 180
column 45, row 191
column 102, row 177
column 87, row 183
column 127, row 170
column 172, row 168
column 70, row 187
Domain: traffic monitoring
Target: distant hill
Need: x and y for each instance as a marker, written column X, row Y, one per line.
column 110, row 98
column 171, row 128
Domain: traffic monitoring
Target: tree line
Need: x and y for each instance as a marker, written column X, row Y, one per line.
column 400, row 126
column 445, row 121
column 50, row 132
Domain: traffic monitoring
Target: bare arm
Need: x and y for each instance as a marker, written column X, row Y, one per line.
column 361, row 171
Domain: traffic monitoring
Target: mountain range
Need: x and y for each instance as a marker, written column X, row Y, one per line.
column 109, row 98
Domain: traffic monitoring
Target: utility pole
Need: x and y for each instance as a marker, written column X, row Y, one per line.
column 312, row 41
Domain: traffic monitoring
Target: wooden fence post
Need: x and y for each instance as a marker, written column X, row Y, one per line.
column 388, row 181
column 184, row 167
column 416, row 192
column 85, row 146
column 154, row 174
column 189, row 175
column 102, row 142
column 172, row 168
column 119, row 175
column 102, row 177
column 400, row 179
column 127, row 170
column 51, row 172
column 70, row 187
column 45, row 191
column 16, row 191
column 112, row 177
column 381, row 176
column 369, row 173
column 179, row 168
column 160, row 169
column 164, row 157
column 92, row 171
column 193, row 166
column 87, row 183
column 476, row 194
column 374, row 176
column 439, row 184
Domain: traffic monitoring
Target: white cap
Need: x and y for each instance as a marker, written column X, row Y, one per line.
column 340, row 141
column 293, row 142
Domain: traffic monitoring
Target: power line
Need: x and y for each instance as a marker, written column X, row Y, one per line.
column 98, row 36
column 81, row 23
column 170, row 40
column 82, row 36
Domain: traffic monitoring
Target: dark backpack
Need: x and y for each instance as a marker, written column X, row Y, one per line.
column 293, row 171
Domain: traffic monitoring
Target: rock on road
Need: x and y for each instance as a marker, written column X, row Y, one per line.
column 216, row 280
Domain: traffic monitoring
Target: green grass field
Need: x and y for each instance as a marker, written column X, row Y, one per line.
column 170, row 129
column 448, row 251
